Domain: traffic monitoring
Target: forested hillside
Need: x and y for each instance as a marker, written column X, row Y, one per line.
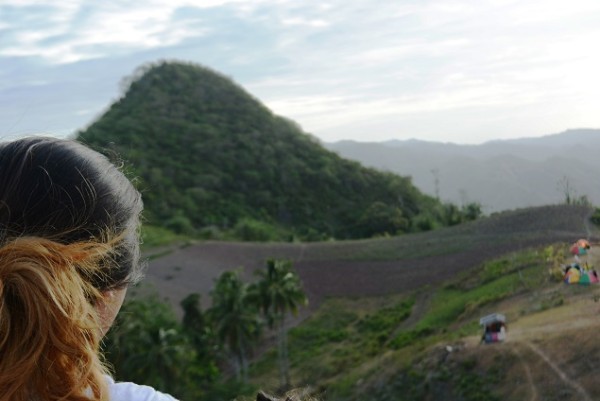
column 212, row 161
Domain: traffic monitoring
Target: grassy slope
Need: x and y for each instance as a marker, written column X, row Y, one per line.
column 367, row 349
column 391, row 344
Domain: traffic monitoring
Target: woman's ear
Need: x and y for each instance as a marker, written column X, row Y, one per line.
column 108, row 306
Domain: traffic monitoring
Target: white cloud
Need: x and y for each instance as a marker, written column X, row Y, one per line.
column 317, row 23
column 74, row 31
column 336, row 63
column 323, row 112
column 84, row 112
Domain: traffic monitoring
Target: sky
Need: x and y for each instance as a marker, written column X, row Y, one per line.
column 465, row 71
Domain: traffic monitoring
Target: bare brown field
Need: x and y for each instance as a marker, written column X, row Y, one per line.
column 372, row 267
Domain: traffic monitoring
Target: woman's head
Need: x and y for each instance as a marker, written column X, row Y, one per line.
column 66, row 192
column 68, row 242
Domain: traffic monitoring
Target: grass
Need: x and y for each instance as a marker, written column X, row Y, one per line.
column 154, row 236
column 332, row 347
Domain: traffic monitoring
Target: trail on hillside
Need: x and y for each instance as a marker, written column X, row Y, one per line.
column 527, row 368
column 563, row 376
column 421, row 306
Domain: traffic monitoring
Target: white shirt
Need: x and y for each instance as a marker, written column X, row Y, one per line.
column 125, row 391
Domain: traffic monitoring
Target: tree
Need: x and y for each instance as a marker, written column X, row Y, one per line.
column 235, row 318
column 564, row 185
column 198, row 329
column 380, row 218
column 451, row 214
column 436, row 182
column 471, row 211
column 147, row 345
column 279, row 292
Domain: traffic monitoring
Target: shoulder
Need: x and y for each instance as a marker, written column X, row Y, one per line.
column 125, row 391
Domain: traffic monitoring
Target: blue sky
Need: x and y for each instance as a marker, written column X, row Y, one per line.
column 448, row 71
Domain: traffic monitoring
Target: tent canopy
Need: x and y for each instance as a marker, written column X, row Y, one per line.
column 494, row 317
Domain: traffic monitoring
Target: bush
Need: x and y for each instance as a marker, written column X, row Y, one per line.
column 153, row 236
column 424, row 222
column 596, row 217
column 253, row 230
column 180, row 224
column 211, row 232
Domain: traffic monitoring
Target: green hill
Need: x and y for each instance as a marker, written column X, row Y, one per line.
column 212, row 161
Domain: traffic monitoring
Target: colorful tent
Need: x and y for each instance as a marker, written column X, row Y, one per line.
column 584, row 278
column 576, row 274
column 580, row 247
column 583, row 243
column 576, row 250
column 572, row 274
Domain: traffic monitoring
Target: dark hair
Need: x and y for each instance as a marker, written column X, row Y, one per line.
column 63, row 191
column 68, row 232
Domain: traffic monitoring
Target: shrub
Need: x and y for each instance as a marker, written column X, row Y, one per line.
column 253, row 230
column 153, row 236
column 596, row 217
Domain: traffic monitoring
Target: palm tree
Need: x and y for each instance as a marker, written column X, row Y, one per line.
column 197, row 327
column 236, row 319
column 147, row 345
column 279, row 292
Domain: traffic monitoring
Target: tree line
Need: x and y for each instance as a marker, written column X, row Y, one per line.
column 205, row 355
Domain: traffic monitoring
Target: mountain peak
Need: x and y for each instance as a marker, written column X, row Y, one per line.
column 212, row 158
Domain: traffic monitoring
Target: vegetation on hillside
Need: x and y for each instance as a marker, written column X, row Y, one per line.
column 350, row 349
column 362, row 349
column 194, row 358
column 212, row 161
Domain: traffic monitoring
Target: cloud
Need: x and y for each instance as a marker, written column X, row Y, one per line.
column 71, row 31
column 329, row 65
column 305, row 22
column 436, row 57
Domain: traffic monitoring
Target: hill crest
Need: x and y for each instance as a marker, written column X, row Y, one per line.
column 213, row 161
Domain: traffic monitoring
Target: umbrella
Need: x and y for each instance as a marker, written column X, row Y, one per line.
column 583, row 243
column 572, row 276
column 577, row 250
column 584, row 279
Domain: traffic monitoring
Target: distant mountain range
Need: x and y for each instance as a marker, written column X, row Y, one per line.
column 500, row 175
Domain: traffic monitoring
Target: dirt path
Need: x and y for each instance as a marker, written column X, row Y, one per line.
column 419, row 309
column 527, row 368
column 563, row 376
